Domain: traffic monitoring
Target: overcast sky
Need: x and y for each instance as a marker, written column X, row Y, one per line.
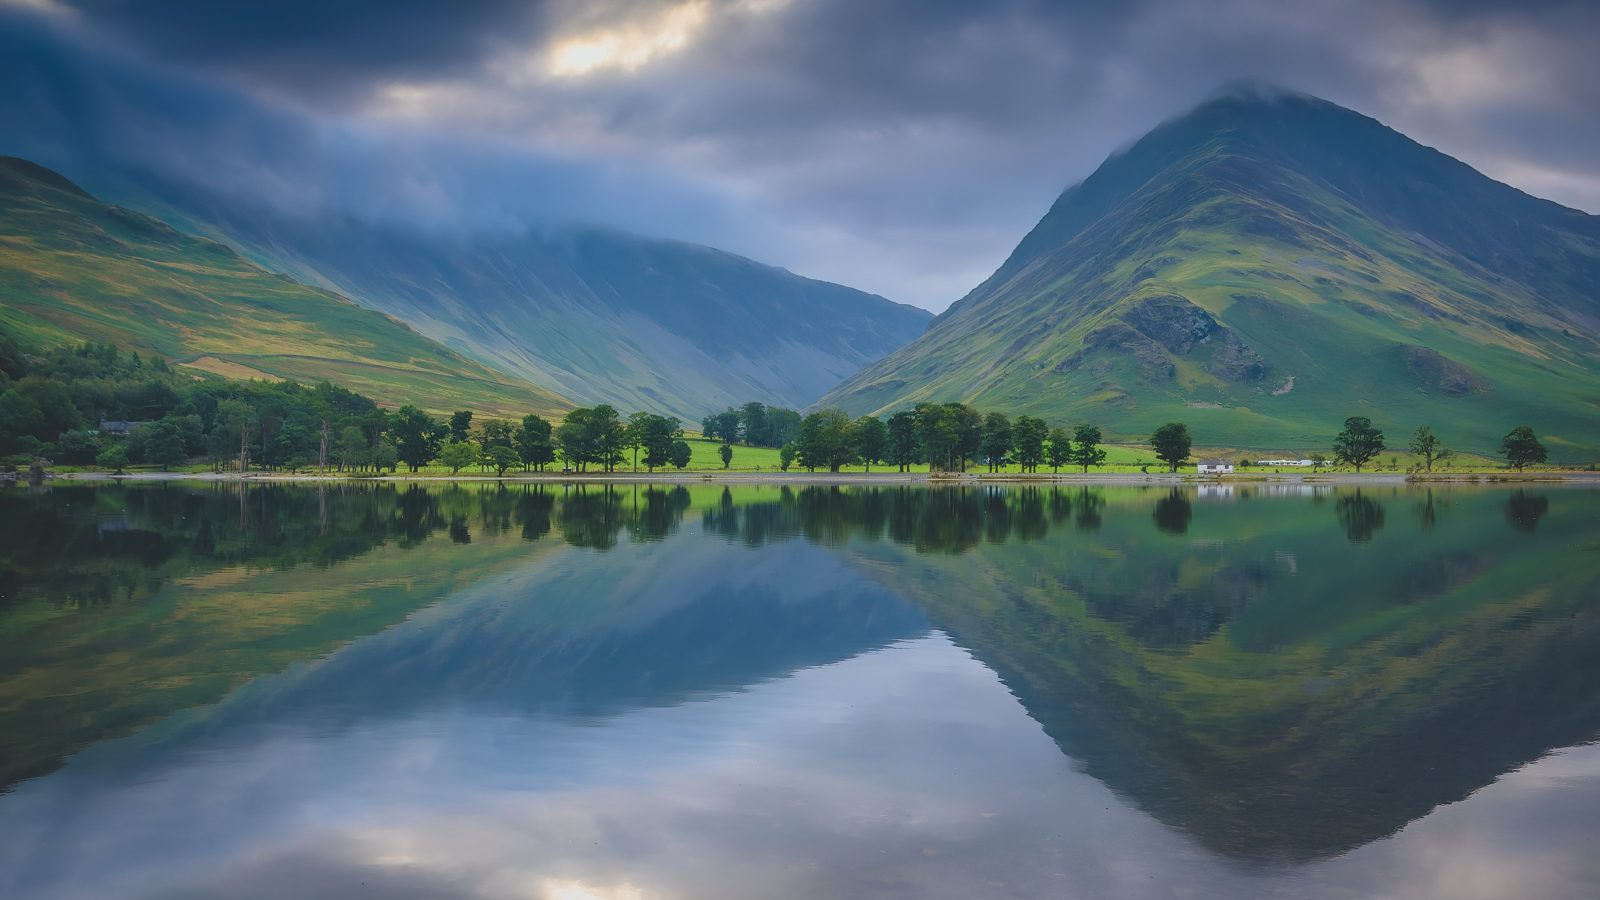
column 899, row 146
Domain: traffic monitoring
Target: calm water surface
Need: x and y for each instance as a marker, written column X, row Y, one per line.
column 548, row 692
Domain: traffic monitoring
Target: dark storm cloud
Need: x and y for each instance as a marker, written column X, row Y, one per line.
column 902, row 146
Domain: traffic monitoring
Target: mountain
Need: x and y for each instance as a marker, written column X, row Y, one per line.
column 73, row 268
column 1265, row 266
column 599, row 315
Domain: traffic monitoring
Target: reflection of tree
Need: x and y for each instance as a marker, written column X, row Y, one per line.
column 1428, row 511
column 1361, row 516
column 1090, row 505
column 591, row 517
column 1173, row 512
column 1524, row 510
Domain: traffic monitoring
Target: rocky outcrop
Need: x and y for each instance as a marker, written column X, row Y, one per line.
column 1431, row 371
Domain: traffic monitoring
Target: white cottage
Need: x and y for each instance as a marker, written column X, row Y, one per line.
column 1214, row 467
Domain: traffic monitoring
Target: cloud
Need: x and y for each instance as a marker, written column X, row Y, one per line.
column 901, row 146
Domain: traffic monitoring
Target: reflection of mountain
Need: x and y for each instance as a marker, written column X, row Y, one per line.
column 575, row 636
column 1262, row 689
column 121, row 605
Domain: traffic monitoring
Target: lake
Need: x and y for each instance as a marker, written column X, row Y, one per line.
column 631, row 692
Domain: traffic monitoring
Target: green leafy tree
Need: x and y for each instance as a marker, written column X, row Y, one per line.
column 416, row 436
column 77, row 447
column 722, row 426
column 534, row 444
column 1171, row 444
column 1426, row 444
column 460, row 425
column 1359, row 443
column 783, row 426
column 1521, row 448
column 502, row 457
column 21, row 421
column 680, row 453
column 1318, row 460
column 658, row 434
column 160, row 443
column 786, row 456
column 458, row 455
column 726, row 453
column 496, row 433
column 996, row 440
column 1029, row 435
column 633, row 435
column 753, row 422
column 903, row 439
column 872, row 439
column 1059, row 452
column 350, row 449
column 825, row 440
column 114, row 457
column 386, row 456
column 1086, row 449
column 968, row 424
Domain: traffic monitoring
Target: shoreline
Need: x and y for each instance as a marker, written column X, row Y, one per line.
column 970, row 479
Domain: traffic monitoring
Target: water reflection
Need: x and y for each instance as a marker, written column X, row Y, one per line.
column 496, row 691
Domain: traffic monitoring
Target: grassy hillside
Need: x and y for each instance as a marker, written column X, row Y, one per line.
column 600, row 316
column 73, row 269
column 1265, row 267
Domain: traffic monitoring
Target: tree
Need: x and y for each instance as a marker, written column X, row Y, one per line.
column 533, row 443
column 1426, row 444
column 1029, row 435
column 1060, row 451
column 593, row 435
column 1318, row 460
column 608, row 435
column 385, row 456
column 680, row 453
column 657, row 435
column 786, row 456
column 1171, row 443
column 996, row 440
column 1086, row 449
column 77, row 447
column 723, row 426
column 496, row 433
column 1359, row 443
column 502, row 457
column 1521, row 448
column 903, row 439
column 460, row 425
column 872, row 439
column 633, row 435
column 753, row 421
column 726, row 452
column 968, row 431
column 458, row 455
column 416, row 436
column 160, row 443
column 825, row 440
column 351, row 449
column 114, row 457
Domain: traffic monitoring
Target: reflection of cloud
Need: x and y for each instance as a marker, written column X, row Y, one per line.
column 908, row 771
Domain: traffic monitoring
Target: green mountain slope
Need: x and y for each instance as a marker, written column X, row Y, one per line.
column 73, row 268
column 1262, row 268
column 599, row 315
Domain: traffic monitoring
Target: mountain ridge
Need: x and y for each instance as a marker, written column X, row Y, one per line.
column 1284, row 234
column 597, row 313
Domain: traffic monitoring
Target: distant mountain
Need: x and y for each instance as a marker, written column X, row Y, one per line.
column 599, row 315
column 1262, row 268
column 73, row 268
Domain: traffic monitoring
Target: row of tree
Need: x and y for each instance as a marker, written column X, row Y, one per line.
column 1360, row 442
column 946, row 436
